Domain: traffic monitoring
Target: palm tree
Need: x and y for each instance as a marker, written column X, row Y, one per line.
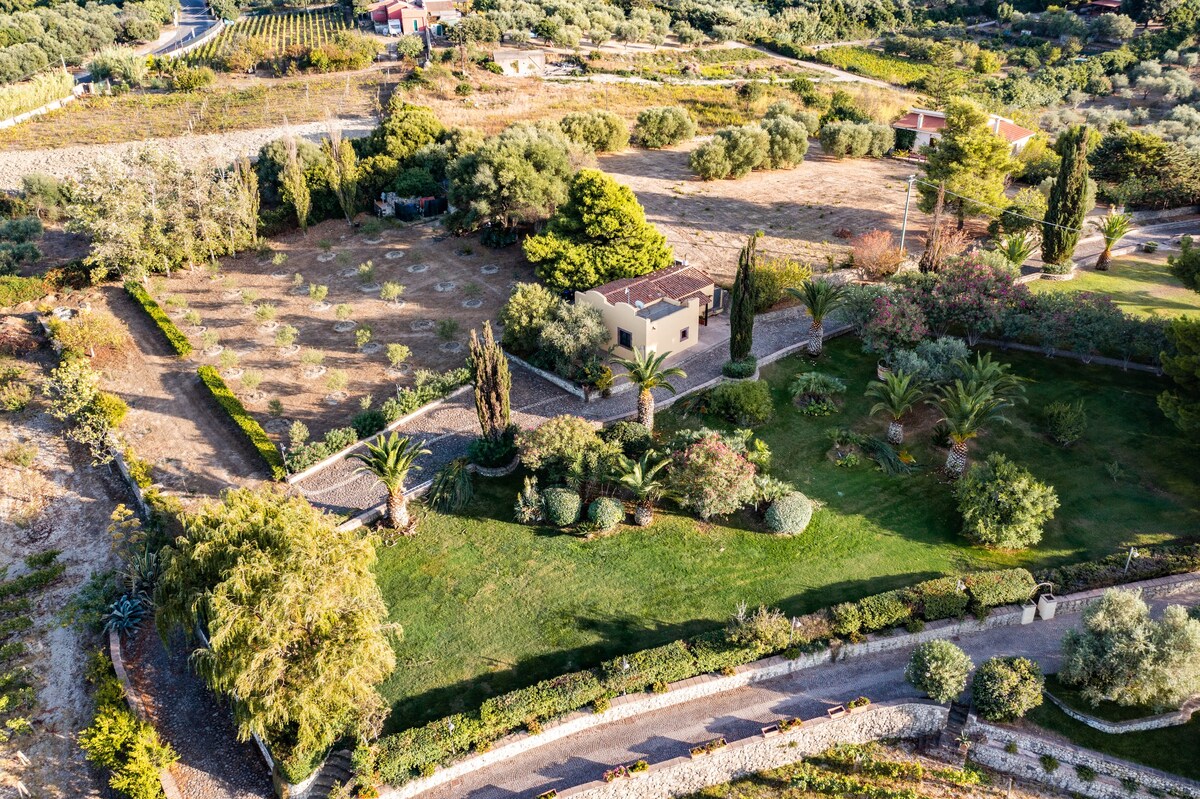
column 645, row 371
column 994, row 376
column 1112, row 228
column 642, row 480
column 820, row 298
column 897, row 395
column 1017, row 247
column 390, row 461
column 966, row 409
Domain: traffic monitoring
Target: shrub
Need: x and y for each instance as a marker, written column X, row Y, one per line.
column 1006, row 688
column 880, row 611
column 175, row 337
column 932, row 361
column 814, row 392
column 368, row 423
column 529, row 308
column 876, row 255
column 740, row 370
column 847, row 619
column 16, row 290
column 711, row 478
column 556, row 444
column 732, row 153
column 746, row 404
column 787, row 142
column 939, row 669
column 664, row 126
column 606, row 513
column 599, row 130
column 1001, row 587
column 764, row 630
column 561, row 506
column 939, row 598
column 892, row 320
column 840, row 139
column 790, row 513
column 773, row 277
column 529, row 504
column 451, row 489
column 244, row 421
column 1003, row 505
column 1065, row 421
column 633, row 438
column 640, row 670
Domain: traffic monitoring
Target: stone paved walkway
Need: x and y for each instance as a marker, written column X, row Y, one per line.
column 669, row 733
column 449, row 429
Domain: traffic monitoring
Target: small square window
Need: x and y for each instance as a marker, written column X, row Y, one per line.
column 684, row 334
column 624, row 339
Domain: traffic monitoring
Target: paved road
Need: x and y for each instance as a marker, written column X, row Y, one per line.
column 669, row 733
column 194, row 19
column 1166, row 234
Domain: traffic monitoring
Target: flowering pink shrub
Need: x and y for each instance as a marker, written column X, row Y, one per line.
column 972, row 297
column 896, row 321
column 711, row 478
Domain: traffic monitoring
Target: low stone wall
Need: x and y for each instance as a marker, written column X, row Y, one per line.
column 682, row 775
column 1121, row 727
column 1026, row 764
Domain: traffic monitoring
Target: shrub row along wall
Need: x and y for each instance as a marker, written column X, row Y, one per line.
column 418, row 751
column 175, row 337
column 244, row 421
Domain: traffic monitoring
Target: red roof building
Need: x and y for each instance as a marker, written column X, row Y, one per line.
column 927, row 126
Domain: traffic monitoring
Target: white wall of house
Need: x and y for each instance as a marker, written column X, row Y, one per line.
column 672, row 333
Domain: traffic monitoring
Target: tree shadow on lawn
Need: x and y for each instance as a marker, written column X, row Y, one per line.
column 618, row 635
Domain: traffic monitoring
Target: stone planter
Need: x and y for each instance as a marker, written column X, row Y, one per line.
column 770, row 731
column 882, row 370
column 344, row 327
column 1069, row 275
column 1028, row 612
column 497, row 471
column 1047, row 605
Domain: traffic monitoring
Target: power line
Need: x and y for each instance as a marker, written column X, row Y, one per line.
column 997, row 208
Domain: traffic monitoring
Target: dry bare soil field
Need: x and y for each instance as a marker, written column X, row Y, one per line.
column 799, row 210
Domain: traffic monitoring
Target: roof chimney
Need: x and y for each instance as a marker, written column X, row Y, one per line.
column 920, row 120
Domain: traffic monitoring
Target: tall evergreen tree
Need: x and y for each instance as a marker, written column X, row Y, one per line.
column 293, row 185
column 1066, row 208
column 492, row 384
column 970, row 160
column 741, row 311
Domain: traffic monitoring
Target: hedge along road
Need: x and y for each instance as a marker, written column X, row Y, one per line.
column 669, row 733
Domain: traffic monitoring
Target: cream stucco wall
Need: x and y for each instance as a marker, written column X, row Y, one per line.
column 659, row 335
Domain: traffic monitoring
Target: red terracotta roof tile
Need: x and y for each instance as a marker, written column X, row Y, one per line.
column 679, row 283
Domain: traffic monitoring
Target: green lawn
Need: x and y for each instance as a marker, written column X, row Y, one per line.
column 489, row 605
column 1108, row 711
column 1141, row 285
column 1163, row 749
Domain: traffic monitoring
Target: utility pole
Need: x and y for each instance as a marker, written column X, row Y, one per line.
column 907, row 201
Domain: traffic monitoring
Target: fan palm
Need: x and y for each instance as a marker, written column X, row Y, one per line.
column 642, row 480
column 897, row 395
column 820, row 298
column 390, row 460
column 1017, row 247
column 1112, row 228
column 645, row 370
column 966, row 409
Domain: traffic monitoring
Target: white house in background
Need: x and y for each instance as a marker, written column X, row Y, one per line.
column 927, row 126
column 659, row 312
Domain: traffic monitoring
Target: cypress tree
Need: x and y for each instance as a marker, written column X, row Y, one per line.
column 1065, row 210
column 741, row 311
column 492, row 383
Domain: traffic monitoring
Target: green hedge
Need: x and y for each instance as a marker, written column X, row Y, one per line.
column 1005, row 587
column 1150, row 563
column 641, row 670
column 16, row 290
column 237, row 412
column 175, row 337
column 939, row 599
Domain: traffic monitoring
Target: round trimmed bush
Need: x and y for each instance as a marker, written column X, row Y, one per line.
column 791, row 513
column 940, row 669
column 1006, row 689
column 740, row 370
column 1004, row 505
column 631, row 437
column 606, row 512
column 562, row 506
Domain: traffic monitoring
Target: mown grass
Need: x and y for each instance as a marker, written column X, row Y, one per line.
column 489, row 605
column 1164, row 749
column 1143, row 286
column 1108, row 711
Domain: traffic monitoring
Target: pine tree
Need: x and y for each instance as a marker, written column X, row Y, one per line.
column 492, row 384
column 741, row 311
column 970, row 160
column 1066, row 208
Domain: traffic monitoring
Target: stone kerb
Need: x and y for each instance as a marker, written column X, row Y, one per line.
column 1173, row 719
column 292, row 479
column 1110, row 770
column 123, row 468
column 680, row 776
column 133, row 698
column 549, row 377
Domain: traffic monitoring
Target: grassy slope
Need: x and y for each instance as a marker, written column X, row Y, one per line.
column 1108, row 711
column 489, row 605
column 1163, row 749
column 1141, row 285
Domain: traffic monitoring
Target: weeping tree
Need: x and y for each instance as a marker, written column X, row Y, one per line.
column 1067, row 205
column 492, row 384
column 1112, row 228
column 741, row 311
column 294, row 186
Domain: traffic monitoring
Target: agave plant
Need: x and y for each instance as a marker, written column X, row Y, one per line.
column 125, row 615
column 1017, row 247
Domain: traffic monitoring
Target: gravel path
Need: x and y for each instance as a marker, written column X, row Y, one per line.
column 66, row 162
column 449, row 429
column 669, row 733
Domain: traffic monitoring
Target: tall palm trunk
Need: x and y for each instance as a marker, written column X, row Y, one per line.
column 956, row 461
column 816, row 338
column 895, row 434
column 397, row 510
column 1102, row 261
column 646, row 409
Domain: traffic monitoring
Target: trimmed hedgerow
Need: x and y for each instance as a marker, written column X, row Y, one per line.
column 540, row 702
column 939, row 599
column 884, row 610
column 175, row 337
column 1151, row 562
column 639, row 671
column 245, row 422
column 1003, row 587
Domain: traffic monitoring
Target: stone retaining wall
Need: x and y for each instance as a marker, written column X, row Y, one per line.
column 1110, row 770
column 1121, row 727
